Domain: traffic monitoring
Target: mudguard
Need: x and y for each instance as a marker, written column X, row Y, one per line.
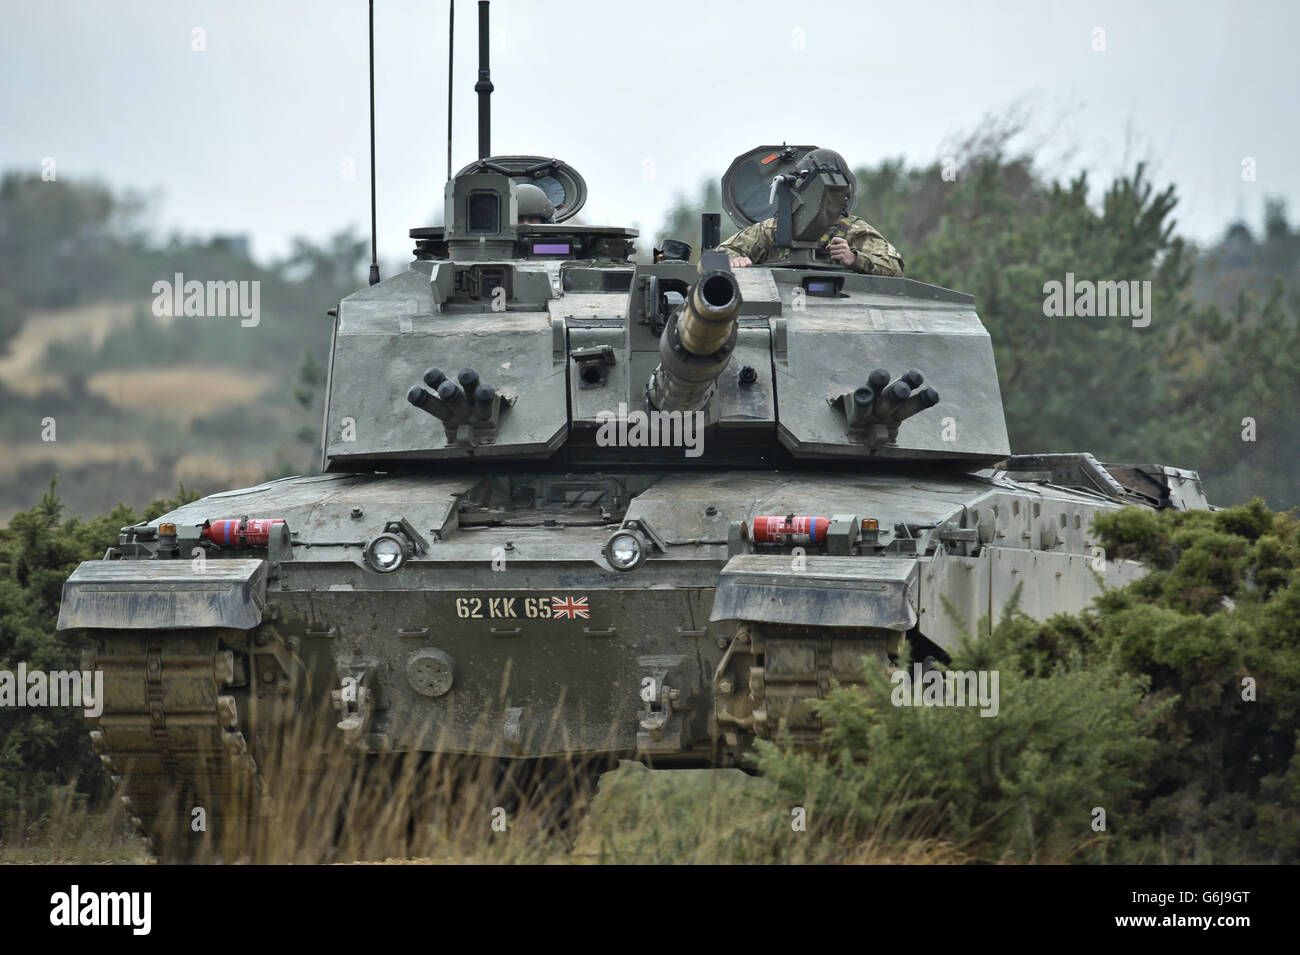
column 856, row 592
column 164, row 595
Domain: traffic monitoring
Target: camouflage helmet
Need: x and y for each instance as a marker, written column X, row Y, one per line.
column 533, row 202
column 830, row 157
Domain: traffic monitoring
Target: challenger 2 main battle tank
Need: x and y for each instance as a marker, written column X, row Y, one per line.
column 576, row 509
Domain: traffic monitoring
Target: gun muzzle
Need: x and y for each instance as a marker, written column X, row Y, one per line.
column 709, row 315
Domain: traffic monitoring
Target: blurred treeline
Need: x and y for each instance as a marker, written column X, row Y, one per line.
column 140, row 402
column 1223, row 343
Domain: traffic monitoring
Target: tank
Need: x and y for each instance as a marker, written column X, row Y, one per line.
column 576, row 509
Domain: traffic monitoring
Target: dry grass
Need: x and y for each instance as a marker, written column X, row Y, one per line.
column 217, row 471
column 398, row 811
column 439, row 811
column 20, row 369
column 324, row 804
column 643, row 816
column 60, row 455
column 180, row 392
column 69, row 834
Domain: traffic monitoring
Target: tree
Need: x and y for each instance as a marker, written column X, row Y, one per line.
column 62, row 241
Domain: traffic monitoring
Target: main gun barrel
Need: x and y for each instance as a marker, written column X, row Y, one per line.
column 697, row 343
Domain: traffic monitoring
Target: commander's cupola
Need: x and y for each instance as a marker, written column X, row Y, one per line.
column 482, row 212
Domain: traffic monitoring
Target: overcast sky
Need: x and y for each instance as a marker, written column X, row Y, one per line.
column 256, row 133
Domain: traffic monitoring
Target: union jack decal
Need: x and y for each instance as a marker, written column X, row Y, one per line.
column 570, row 608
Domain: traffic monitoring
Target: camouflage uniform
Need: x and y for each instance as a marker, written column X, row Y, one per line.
column 875, row 255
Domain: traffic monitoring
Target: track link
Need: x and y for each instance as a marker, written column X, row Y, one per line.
column 172, row 741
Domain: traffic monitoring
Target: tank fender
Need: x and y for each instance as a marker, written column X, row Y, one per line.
column 855, row 592
column 164, row 595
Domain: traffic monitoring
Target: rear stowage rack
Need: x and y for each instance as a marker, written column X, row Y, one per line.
column 1157, row 485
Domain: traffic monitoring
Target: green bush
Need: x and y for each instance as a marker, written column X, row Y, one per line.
column 1173, row 704
column 1018, row 786
column 44, row 750
column 1216, row 627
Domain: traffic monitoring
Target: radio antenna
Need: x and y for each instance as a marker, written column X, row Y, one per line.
column 451, row 52
column 484, row 85
column 374, row 248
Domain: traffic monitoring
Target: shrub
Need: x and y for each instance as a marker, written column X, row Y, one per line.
column 1173, row 704
column 42, row 750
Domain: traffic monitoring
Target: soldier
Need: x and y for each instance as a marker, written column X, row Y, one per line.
column 534, row 206
column 851, row 241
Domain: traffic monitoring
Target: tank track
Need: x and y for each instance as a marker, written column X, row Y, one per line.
column 171, row 740
column 170, row 737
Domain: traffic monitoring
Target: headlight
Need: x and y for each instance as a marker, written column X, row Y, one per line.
column 386, row 553
column 625, row 550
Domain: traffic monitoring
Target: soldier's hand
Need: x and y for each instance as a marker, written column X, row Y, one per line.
column 740, row 261
column 840, row 251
